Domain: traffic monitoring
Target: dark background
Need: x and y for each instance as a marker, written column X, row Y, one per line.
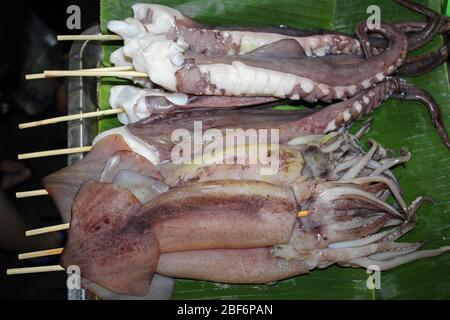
column 15, row 51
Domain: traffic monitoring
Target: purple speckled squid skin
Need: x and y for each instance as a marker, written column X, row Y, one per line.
column 234, row 230
column 330, row 78
column 157, row 129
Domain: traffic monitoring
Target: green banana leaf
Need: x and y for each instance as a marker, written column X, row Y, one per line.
column 396, row 124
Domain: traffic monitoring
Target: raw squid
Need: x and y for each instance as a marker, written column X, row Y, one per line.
column 152, row 142
column 153, row 20
column 231, row 225
column 230, row 80
column 140, row 103
column 292, row 74
column 181, row 55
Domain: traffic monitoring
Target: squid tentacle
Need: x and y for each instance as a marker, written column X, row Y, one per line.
column 366, row 101
column 364, row 129
column 414, row 66
column 413, row 93
column 323, row 257
column 388, row 31
column 346, row 193
column 387, row 255
column 416, row 26
column 376, row 249
column 374, row 165
column 408, row 224
column 363, row 241
column 399, row 231
column 400, row 259
column 396, row 192
column 386, row 164
column 357, row 167
column 419, row 33
column 434, row 24
column 416, row 204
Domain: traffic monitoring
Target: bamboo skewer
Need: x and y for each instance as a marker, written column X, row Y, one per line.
column 56, row 152
column 41, row 253
column 35, row 76
column 99, row 72
column 70, row 118
column 84, row 73
column 55, row 228
column 52, row 268
column 87, row 37
column 120, row 71
column 33, row 193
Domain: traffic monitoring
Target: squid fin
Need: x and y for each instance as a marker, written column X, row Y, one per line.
column 286, row 48
column 107, row 244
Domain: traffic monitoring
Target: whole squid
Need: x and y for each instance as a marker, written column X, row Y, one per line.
column 277, row 70
column 182, row 55
column 152, row 19
column 141, row 103
column 151, row 143
column 238, row 72
column 328, row 204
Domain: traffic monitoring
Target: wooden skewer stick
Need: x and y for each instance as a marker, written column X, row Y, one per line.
column 33, row 193
column 52, row 268
column 70, row 117
column 58, row 227
column 86, row 37
column 41, row 253
column 56, row 152
column 84, row 73
column 36, row 76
